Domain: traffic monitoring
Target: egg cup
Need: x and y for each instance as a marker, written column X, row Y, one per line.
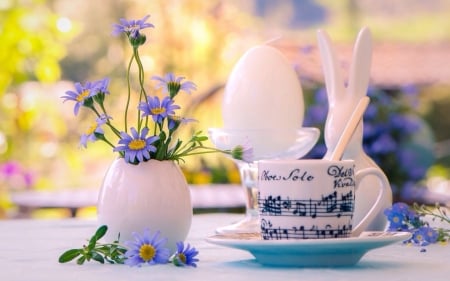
column 266, row 144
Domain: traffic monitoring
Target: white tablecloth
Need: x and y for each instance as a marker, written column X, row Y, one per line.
column 29, row 251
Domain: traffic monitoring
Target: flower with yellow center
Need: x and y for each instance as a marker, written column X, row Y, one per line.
column 94, row 131
column 136, row 144
column 185, row 256
column 137, row 147
column 158, row 109
column 147, row 252
column 80, row 95
column 146, row 248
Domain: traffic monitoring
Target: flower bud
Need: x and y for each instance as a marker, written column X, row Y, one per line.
column 244, row 153
column 136, row 38
column 173, row 88
column 88, row 102
column 99, row 98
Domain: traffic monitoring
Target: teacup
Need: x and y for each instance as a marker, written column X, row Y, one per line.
column 311, row 199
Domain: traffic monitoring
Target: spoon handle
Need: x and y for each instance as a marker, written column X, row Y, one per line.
column 350, row 128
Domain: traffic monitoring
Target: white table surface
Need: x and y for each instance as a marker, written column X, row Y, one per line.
column 29, row 251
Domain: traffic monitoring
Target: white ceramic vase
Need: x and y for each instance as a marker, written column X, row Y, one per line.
column 152, row 194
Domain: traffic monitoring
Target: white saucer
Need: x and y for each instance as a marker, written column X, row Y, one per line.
column 309, row 252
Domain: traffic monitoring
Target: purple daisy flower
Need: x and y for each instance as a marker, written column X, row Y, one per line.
column 175, row 121
column 172, row 84
column 158, row 109
column 81, row 95
column 96, row 128
column 101, row 86
column 146, row 249
column 185, row 256
column 137, row 146
column 131, row 27
column 100, row 90
column 243, row 152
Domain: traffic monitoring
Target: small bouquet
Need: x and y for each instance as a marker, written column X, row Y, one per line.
column 153, row 135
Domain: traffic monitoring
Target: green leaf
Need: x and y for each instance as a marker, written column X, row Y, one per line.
column 162, row 136
column 175, row 148
column 98, row 257
column 101, row 231
column 69, row 255
column 81, row 260
column 201, row 138
column 92, row 243
column 109, row 260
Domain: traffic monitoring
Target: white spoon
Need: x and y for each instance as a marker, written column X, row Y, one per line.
column 349, row 129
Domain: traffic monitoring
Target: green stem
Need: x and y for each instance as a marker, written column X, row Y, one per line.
column 115, row 131
column 423, row 210
column 206, row 150
column 142, row 93
column 108, row 142
column 129, row 93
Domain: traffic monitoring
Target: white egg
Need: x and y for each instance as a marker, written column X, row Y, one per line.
column 263, row 92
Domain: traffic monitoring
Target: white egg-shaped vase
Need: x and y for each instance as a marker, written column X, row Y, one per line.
column 152, row 195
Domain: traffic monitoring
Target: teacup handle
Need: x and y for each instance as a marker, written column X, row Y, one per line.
column 376, row 208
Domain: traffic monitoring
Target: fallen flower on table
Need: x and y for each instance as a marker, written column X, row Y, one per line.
column 145, row 249
column 185, row 256
column 402, row 217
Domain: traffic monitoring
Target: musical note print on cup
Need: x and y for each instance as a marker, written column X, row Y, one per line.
column 309, row 199
column 269, row 232
column 327, row 206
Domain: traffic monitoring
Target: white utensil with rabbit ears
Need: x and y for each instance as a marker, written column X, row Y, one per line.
column 342, row 102
column 333, row 78
column 360, row 68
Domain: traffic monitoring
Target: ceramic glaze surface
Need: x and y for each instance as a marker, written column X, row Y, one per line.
column 309, row 252
column 312, row 199
column 152, row 195
column 342, row 101
column 263, row 92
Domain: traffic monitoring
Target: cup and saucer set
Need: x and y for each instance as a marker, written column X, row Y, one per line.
column 304, row 212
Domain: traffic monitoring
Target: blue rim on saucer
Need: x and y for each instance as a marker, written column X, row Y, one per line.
column 309, row 252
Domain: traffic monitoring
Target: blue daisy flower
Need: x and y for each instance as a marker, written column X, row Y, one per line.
column 94, row 130
column 158, row 109
column 136, row 147
column 172, row 84
column 243, row 152
column 131, row 27
column 146, row 249
column 185, row 256
column 81, row 96
column 175, row 121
